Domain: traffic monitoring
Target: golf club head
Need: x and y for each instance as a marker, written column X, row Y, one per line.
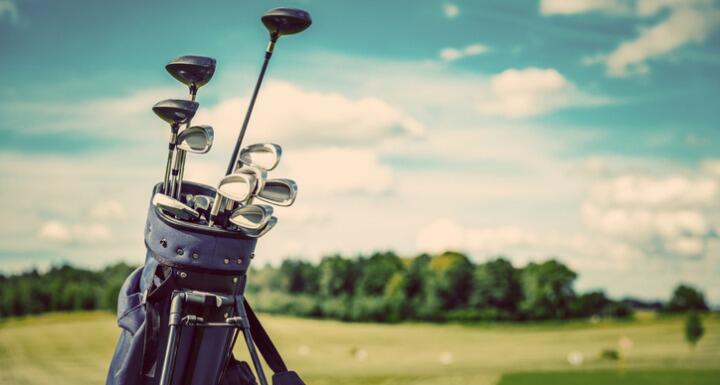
column 263, row 155
column 259, row 233
column 237, row 187
column 259, row 173
column 196, row 139
column 280, row 192
column 286, row 21
column 175, row 111
column 193, row 71
column 174, row 207
column 251, row 217
column 201, row 203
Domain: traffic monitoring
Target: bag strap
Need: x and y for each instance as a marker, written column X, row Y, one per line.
column 263, row 341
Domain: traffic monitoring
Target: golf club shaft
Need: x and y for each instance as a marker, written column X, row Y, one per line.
column 181, row 154
column 168, row 165
column 238, row 143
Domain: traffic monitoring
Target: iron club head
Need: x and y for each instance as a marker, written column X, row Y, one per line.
column 196, row 139
column 281, row 192
column 259, row 233
column 252, row 217
column 174, row 207
column 263, row 155
column 236, row 187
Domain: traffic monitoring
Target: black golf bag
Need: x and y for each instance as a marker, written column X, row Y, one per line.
column 181, row 313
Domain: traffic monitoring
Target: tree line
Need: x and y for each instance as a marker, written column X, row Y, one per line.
column 381, row 287
column 62, row 288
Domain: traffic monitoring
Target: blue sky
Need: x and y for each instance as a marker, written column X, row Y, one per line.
column 582, row 129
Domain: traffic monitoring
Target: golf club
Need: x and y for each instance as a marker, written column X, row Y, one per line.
column 195, row 139
column 263, row 155
column 194, row 72
column 175, row 112
column 237, row 187
column 259, row 233
column 251, row 217
column 279, row 22
column 174, row 207
column 260, row 175
column 280, row 192
column 201, row 203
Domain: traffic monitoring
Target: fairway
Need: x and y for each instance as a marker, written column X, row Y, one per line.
column 64, row 349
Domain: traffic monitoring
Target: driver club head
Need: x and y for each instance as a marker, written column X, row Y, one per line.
column 196, row 139
column 174, row 207
column 286, row 21
column 264, row 155
column 252, row 217
column 280, row 192
column 193, row 71
column 175, row 111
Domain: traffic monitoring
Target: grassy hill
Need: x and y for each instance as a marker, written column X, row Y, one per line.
column 75, row 349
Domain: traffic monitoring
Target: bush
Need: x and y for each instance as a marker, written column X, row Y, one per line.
column 610, row 354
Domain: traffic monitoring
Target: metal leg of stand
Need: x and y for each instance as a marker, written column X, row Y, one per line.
column 168, row 366
column 249, row 341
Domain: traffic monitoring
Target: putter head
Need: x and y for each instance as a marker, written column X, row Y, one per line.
column 237, row 187
column 175, row 111
column 193, row 71
column 286, row 21
column 251, row 217
column 196, row 139
column 259, row 233
column 280, row 192
column 174, row 207
column 263, row 155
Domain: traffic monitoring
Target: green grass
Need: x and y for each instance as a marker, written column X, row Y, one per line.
column 640, row 377
column 75, row 349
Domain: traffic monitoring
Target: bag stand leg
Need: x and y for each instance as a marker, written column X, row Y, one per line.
column 240, row 309
column 178, row 300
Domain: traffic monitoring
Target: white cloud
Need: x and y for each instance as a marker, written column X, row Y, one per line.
column 451, row 10
column 521, row 93
column 571, row 7
column 9, row 10
column 55, row 231
column 291, row 115
column 671, row 215
column 452, row 54
column 687, row 22
column 340, row 170
column 59, row 232
column 683, row 26
column 108, row 209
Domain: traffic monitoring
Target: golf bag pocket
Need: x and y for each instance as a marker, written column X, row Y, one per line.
column 126, row 364
column 238, row 373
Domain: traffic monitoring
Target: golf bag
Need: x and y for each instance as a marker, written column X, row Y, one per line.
column 181, row 313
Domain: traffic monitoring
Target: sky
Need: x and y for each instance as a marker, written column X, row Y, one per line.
column 583, row 130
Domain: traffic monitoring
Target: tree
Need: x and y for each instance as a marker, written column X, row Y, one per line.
column 548, row 290
column 376, row 273
column 337, row 276
column 298, row 277
column 693, row 328
column 451, row 280
column 686, row 297
column 497, row 285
